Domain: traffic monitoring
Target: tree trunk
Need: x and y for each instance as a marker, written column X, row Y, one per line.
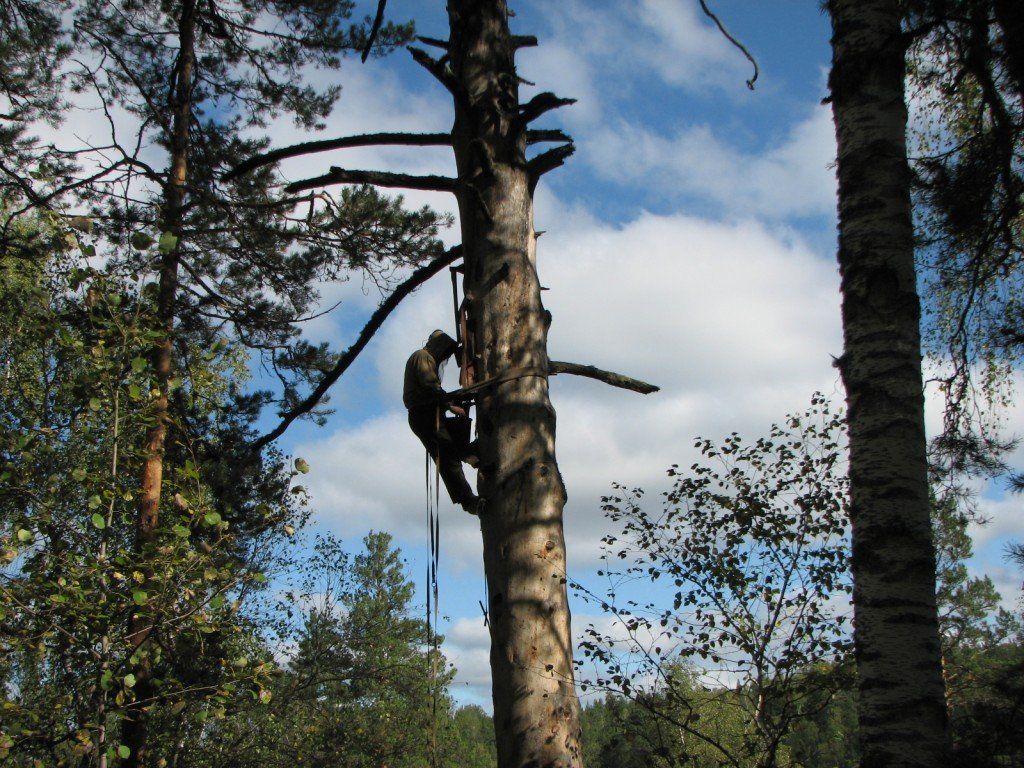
column 902, row 710
column 135, row 731
column 536, row 712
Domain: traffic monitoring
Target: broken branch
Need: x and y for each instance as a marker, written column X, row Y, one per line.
column 608, row 377
column 343, row 142
column 376, row 178
column 548, row 161
column 443, row 44
column 540, row 104
column 435, row 67
column 541, row 136
column 415, row 280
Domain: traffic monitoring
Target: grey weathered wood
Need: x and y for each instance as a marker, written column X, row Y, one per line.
column 901, row 703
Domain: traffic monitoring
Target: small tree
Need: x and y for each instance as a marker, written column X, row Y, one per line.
column 752, row 546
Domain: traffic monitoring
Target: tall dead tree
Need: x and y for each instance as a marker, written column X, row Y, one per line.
column 902, row 707
column 536, row 711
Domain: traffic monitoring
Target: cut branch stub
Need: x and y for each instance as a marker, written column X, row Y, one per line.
column 377, row 178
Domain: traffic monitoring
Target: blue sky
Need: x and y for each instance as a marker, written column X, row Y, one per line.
column 690, row 242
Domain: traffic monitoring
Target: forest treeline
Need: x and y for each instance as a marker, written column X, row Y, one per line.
column 162, row 601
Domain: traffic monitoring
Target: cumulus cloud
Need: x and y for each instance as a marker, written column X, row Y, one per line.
column 736, row 322
column 794, row 178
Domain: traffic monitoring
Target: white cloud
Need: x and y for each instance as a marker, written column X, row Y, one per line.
column 793, row 178
column 735, row 321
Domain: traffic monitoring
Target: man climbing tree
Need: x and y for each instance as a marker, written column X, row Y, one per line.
column 446, row 438
column 536, row 711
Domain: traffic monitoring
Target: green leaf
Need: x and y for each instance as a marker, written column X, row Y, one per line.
column 134, row 392
column 168, row 242
column 24, row 535
column 301, row 465
column 79, row 474
column 95, row 404
column 87, row 250
column 138, row 364
column 141, row 241
column 212, row 518
column 98, row 521
column 217, row 602
column 123, row 751
column 105, row 679
column 129, row 680
column 140, row 597
column 181, row 531
column 94, row 501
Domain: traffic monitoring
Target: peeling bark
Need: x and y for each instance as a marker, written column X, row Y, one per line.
column 902, row 709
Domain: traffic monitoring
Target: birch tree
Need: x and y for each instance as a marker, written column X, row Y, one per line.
column 902, row 712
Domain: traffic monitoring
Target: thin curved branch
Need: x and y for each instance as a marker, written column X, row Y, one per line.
column 414, row 281
column 743, row 49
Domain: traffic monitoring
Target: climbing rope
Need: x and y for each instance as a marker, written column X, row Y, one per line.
column 434, row 524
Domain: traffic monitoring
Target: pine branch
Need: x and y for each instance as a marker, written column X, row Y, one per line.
column 608, row 377
column 343, row 142
column 414, row 281
column 376, row 178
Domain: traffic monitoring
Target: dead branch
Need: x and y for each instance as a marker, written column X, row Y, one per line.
column 437, row 68
column 377, row 21
column 524, row 41
column 376, row 178
column 433, row 41
column 541, row 104
column 725, row 32
column 548, row 161
column 343, row 142
column 414, row 281
column 540, row 136
column 608, row 377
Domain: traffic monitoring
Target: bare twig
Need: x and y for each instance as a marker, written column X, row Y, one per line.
column 728, row 36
